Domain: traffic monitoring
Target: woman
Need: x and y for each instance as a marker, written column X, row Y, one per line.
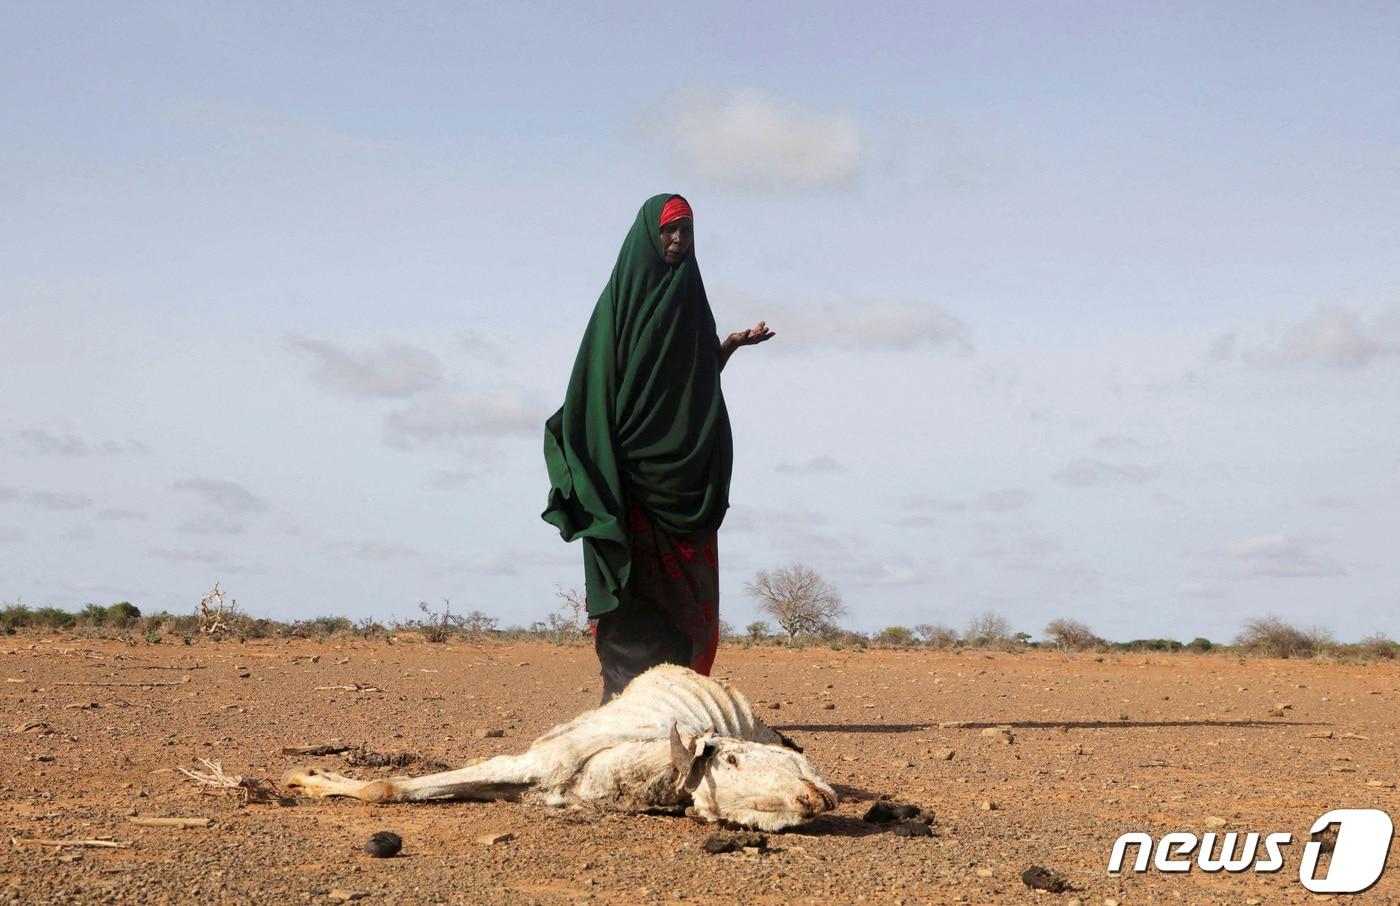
column 640, row 454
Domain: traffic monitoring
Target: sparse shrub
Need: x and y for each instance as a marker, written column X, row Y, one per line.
column 936, row 635
column 438, row 626
column 16, row 616
column 847, row 638
column 894, row 637
column 1272, row 637
column 123, row 613
column 1072, row 635
column 988, row 629
column 93, row 615
column 322, row 627
column 1378, row 646
column 152, row 638
column 1200, row 644
column 53, row 619
column 756, row 630
column 1149, row 645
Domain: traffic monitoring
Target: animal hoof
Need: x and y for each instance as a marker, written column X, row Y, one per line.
column 384, row 845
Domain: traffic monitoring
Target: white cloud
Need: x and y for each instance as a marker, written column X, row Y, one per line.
column 377, row 551
column 1281, row 556
column 10, row 535
column 454, row 415
column 924, row 508
column 868, row 325
column 49, row 500
column 40, row 442
column 386, row 371
column 212, row 524
column 748, row 139
column 1331, row 338
column 116, row 514
column 1086, row 472
column 228, row 496
column 817, row 465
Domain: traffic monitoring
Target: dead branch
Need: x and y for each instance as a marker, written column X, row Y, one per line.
column 352, row 687
column 180, row 682
column 104, row 844
column 170, row 822
column 324, row 749
column 215, row 776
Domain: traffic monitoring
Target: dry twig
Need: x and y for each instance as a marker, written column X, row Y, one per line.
column 103, row 844
column 180, row 682
column 170, row 822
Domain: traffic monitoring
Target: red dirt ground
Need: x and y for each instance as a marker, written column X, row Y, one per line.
column 1101, row 746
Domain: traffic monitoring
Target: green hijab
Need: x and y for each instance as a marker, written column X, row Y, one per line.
column 643, row 422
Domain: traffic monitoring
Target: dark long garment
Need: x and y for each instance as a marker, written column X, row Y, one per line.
column 670, row 607
column 644, row 429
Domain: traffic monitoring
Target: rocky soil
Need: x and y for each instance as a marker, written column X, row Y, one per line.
column 1024, row 760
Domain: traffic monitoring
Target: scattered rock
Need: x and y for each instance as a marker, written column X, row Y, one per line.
column 384, row 845
column 1038, row 877
column 490, row 734
column 829, row 706
column 987, row 805
column 887, row 812
column 1318, row 734
column 345, row 896
column 494, row 839
column 984, row 872
column 774, row 706
column 1215, row 821
column 943, row 755
column 732, row 841
column 1000, row 734
column 912, row 829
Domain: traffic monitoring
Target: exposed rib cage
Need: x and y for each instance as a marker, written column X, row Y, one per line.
column 664, row 696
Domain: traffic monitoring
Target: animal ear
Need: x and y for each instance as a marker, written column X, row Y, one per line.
column 680, row 752
column 690, row 763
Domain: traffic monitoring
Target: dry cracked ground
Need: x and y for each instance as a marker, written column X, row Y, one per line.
column 94, row 734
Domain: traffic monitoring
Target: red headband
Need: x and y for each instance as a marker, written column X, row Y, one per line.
column 674, row 209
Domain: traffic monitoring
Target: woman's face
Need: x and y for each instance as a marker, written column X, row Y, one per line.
column 677, row 237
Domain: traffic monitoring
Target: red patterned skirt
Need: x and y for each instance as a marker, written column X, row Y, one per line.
column 670, row 607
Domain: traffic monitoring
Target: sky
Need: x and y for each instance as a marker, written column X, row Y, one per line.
column 1082, row 310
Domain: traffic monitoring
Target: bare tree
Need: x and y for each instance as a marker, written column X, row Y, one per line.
column 798, row 599
column 936, row 635
column 1071, row 635
column 988, row 629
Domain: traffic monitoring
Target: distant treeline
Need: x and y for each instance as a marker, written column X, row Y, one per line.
column 1267, row 636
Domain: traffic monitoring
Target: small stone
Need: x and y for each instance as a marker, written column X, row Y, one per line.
column 494, row 839
column 1038, row 877
column 345, row 896
column 1318, row 734
column 829, row 706
column 984, row 872
column 943, row 755
column 71, row 857
column 1110, row 901
column 490, row 734
column 732, row 841
column 951, row 724
column 384, row 845
column 774, row 706
column 130, row 813
column 1000, row 734
column 912, row 829
column 987, row 805
column 1215, row 821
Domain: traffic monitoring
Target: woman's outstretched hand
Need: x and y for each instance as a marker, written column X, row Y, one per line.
column 754, row 335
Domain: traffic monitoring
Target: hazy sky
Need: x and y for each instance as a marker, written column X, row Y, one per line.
column 1083, row 310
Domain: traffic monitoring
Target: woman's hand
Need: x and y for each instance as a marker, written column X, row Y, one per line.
column 754, row 335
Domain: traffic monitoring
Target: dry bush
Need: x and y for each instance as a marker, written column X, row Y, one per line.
column 894, row 637
column 1072, row 635
column 1270, row 636
column 936, row 635
column 1378, row 646
column 988, row 630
